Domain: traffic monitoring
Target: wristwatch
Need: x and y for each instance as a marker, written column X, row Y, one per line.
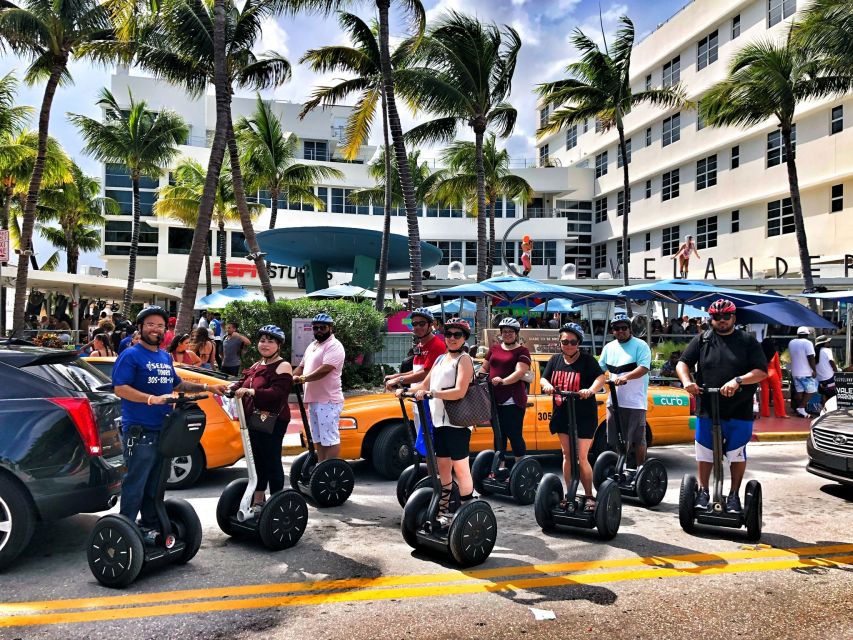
column 739, row 380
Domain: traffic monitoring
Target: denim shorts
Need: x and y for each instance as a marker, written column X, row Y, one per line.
column 805, row 384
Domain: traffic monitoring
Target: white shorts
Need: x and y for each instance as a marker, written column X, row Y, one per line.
column 324, row 418
column 704, row 454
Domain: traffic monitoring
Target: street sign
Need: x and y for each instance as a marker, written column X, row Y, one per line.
column 4, row 245
column 844, row 389
column 302, row 337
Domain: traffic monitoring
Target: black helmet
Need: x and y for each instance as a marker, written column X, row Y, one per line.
column 153, row 310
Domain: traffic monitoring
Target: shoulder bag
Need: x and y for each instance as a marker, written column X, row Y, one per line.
column 474, row 408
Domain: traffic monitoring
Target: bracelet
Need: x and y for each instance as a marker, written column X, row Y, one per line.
column 205, row 386
column 149, row 400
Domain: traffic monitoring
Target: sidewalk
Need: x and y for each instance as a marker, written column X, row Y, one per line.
column 780, row 429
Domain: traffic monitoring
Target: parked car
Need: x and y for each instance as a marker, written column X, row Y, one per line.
column 830, row 444
column 372, row 426
column 220, row 445
column 60, row 452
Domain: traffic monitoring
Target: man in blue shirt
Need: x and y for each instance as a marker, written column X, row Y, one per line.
column 628, row 359
column 144, row 379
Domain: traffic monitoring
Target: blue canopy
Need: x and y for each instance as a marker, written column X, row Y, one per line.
column 513, row 289
column 695, row 292
column 342, row 291
column 786, row 312
column 452, row 306
column 559, row 305
column 232, row 293
column 835, row 296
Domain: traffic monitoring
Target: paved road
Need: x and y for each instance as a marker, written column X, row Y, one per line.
column 352, row 576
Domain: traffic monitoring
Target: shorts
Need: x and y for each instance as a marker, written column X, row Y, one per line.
column 805, row 384
column 633, row 426
column 586, row 426
column 736, row 435
column 452, row 442
column 325, row 418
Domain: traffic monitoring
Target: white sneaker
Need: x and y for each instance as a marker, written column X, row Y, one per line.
column 802, row 413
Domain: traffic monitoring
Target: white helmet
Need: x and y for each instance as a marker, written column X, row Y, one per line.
column 511, row 323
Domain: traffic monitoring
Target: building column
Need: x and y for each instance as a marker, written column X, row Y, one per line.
column 315, row 276
column 364, row 272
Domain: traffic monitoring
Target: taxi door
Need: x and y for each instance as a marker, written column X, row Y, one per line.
column 538, row 417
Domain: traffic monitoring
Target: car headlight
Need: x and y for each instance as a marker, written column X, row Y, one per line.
column 348, row 423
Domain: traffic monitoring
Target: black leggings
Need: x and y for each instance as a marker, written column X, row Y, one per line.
column 266, row 448
column 512, row 425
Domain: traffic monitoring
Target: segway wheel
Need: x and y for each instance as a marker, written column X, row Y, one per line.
column 523, row 480
column 753, row 509
column 283, row 520
column 415, row 515
column 687, row 502
column 549, row 493
column 331, row 483
column 473, row 533
column 651, row 482
column 608, row 510
column 405, row 480
column 296, row 469
column 229, row 504
column 186, row 527
column 604, row 468
column 115, row 551
column 480, row 470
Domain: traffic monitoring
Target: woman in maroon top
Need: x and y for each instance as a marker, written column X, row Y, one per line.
column 266, row 386
column 507, row 362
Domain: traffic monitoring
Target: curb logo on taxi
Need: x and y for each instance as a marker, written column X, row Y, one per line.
column 671, row 401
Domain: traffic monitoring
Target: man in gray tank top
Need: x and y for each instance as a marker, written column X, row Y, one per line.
column 232, row 348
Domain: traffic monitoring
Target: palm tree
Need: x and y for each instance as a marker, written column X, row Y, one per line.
column 268, row 158
column 78, row 208
column 458, row 182
column 465, row 77
column 424, row 182
column 51, row 34
column 767, row 80
column 143, row 141
column 599, row 86
column 826, row 29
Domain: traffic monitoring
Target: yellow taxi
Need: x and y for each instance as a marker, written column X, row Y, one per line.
column 372, row 426
column 220, row 445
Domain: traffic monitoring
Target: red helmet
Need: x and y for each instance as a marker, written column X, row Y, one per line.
column 722, row 306
column 459, row 323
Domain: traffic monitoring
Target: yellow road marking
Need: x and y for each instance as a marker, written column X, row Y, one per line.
column 658, row 570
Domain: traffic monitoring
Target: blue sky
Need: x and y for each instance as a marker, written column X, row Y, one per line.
column 545, row 27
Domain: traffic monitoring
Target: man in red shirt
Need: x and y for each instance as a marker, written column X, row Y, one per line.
column 427, row 349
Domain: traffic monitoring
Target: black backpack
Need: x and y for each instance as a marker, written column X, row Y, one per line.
column 182, row 430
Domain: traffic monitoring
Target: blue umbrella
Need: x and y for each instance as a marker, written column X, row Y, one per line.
column 342, row 291
column 468, row 307
column 559, row 305
column 512, row 289
column 786, row 312
column 231, row 293
column 695, row 292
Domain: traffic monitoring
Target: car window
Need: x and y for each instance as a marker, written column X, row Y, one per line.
column 74, row 374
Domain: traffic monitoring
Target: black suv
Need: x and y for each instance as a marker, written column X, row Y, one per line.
column 60, row 452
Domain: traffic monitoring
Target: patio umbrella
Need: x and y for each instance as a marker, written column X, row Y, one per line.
column 695, row 292
column 232, row 293
column 468, row 307
column 512, row 289
column 786, row 312
column 343, row 291
column 559, row 305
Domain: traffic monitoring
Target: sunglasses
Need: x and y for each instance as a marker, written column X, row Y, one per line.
column 721, row 316
column 454, row 334
column 320, row 327
column 573, row 343
column 421, row 323
column 621, row 327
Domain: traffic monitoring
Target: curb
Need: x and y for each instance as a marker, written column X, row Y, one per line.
column 780, row 436
column 292, row 444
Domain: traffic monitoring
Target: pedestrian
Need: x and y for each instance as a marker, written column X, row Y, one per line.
column 233, row 346
column 668, row 369
column 554, row 322
column 448, row 380
column 102, row 346
column 628, row 360
column 145, row 379
column 320, row 372
column 130, row 340
column 181, row 352
column 675, row 330
column 772, row 384
column 216, row 331
column 825, row 367
column 170, row 330
column 803, row 371
column 731, row 360
column 203, row 347
column 574, row 370
column 507, row 362
column 426, row 350
column 265, row 387
column 203, row 320
column 687, row 248
column 438, row 326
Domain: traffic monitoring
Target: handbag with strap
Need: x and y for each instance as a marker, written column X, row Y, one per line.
column 474, row 408
column 262, row 421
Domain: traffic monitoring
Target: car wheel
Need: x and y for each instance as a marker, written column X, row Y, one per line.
column 17, row 520
column 392, row 452
column 186, row 470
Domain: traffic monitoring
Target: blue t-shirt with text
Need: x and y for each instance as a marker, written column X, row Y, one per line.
column 150, row 372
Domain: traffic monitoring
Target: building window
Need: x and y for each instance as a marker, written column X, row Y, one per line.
column 124, row 250
column 707, row 50
column 648, row 188
column 700, row 121
column 315, row 150
column 180, row 240
column 670, row 242
column 509, row 208
column 706, row 172
column 776, row 148
column 672, row 72
column 238, row 245
column 778, row 10
column 121, row 230
column 586, row 125
column 836, row 120
column 670, row 185
column 837, row 198
column 627, row 152
column 735, row 156
column 601, row 164
column 648, row 136
column 735, row 221
column 600, row 257
column 780, row 217
column 648, row 82
column 444, row 211
column 572, row 137
column 543, row 155
column 648, row 241
column 620, row 202
column 671, row 129
column 619, row 249
column 341, row 202
column 735, row 26
column 118, row 175
column 600, row 210
column 471, row 254
column 450, row 251
column 544, row 252
column 125, row 201
column 706, row 232
column 544, row 114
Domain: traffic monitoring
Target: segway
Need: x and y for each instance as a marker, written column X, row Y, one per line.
column 328, row 483
column 646, row 482
column 473, row 529
column 118, row 550
column 716, row 514
column 519, row 482
column 413, row 476
column 283, row 517
column 552, row 509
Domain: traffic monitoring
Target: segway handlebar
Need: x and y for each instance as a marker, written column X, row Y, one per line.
column 410, row 395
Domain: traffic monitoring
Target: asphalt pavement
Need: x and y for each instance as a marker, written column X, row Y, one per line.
column 353, row 576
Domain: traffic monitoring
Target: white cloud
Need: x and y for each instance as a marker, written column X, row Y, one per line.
column 273, row 38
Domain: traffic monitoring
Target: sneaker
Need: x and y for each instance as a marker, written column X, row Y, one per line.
column 802, row 413
column 733, row 503
column 703, row 499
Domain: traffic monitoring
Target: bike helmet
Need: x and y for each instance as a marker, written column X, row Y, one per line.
column 153, row 310
column 510, row 323
column 574, row 328
column 424, row 313
column 620, row 318
column 273, row 332
column 722, row 306
column 459, row 323
column 323, row 318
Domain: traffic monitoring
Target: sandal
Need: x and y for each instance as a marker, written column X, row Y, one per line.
column 589, row 507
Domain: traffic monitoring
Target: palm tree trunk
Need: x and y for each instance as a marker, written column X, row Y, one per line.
column 223, row 268
column 626, row 205
column 799, row 222
column 4, row 224
column 73, row 259
column 208, row 283
column 214, row 166
column 406, row 184
column 491, row 252
column 273, row 207
column 70, row 252
column 245, row 218
column 32, row 198
column 134, row 246
column 482, row 258
column 386, row 219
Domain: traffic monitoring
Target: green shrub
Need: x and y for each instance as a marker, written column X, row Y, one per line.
column 663, row 350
